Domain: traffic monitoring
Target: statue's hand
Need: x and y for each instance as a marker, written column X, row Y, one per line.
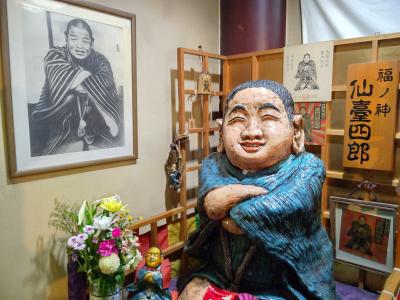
column 149, row 277
column 229, row 225
column 218, row 202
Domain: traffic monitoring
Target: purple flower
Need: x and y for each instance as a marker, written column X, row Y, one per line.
column 107, row 247
column 72, row 241
column 80, row 246
column 82, row 237
column 89, row 229
column 116, row 232
column 77, row 242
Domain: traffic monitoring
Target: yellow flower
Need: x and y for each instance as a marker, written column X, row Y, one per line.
column 130, row 218
column 112, row 204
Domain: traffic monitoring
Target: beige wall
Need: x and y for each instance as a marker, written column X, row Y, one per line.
column 293, row 23
column 32, row 264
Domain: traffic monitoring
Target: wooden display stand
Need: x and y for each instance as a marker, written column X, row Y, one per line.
column 269, row 65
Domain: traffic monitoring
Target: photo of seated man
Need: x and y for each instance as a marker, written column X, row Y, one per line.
column 79, row 108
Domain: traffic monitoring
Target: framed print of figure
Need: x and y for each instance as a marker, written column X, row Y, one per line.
column 363, row 233
column 70, row 82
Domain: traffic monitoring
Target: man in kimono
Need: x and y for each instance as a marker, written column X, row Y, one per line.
column 307, row 74
column 259, row 205
column 79, row 108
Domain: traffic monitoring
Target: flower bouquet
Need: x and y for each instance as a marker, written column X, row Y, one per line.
column 104, row 247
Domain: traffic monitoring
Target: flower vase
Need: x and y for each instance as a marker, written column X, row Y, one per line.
column 77, row 284
column 95, row 293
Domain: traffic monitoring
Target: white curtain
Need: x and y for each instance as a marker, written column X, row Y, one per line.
column 324, row 20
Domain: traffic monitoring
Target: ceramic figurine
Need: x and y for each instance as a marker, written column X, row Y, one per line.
column 259, row 205
column 152, row 278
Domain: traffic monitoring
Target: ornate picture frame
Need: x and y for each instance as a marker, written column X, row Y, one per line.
column 364, row 233
column 70, row 85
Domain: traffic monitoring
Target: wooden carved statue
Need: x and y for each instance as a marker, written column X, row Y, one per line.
column 259, row 205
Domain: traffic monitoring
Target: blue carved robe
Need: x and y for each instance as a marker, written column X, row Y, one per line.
column 293, row 259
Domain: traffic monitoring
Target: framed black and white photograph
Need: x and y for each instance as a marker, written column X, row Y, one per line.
column 363, row 233
column 70, row 82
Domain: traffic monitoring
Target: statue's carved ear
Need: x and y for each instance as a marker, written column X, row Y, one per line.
column 220, row 147
column 298, row 136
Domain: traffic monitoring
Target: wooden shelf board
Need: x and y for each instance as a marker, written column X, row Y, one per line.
column 193, row 168
column 213, row 93
column 326, row 214
column 354, row 177
column 202, row 53
column 342, row 88
column 340, row 132
column 191, row 204
column 334, row 174
column 395, row 182
column 173, row 248
column 158, row 217
column 337, row 132
column 255, row 53
column 379, row 37
column 200, row 129
column 339, row 88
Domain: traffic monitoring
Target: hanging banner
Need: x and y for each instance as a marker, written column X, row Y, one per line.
column 314, row 121
column 371, row 110
column 307, row 71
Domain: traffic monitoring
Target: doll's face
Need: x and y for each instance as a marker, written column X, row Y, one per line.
column 153, row 257
column 256, row 131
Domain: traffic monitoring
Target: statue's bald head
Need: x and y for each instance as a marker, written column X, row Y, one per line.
column 274, row 86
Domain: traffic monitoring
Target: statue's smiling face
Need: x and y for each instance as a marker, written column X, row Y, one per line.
column 256, row 130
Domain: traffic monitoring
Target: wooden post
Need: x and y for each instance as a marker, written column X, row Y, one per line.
column 182, row 127
column 325, row 158
column 374, row 51
column 254, row 67
column 153, row 234
column 206, row 117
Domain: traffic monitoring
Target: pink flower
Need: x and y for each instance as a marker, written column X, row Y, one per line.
column 116, row 232
column 107, row 247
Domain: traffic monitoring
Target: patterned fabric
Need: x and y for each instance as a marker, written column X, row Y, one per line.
column 348, row 292
column 294, row 257
column 61, row 108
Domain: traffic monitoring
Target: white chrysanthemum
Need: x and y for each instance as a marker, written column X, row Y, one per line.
column 109, row 264
column 102, row 223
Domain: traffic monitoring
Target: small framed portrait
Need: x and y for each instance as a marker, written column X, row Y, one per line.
column 70, row 85
column 363, row 233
